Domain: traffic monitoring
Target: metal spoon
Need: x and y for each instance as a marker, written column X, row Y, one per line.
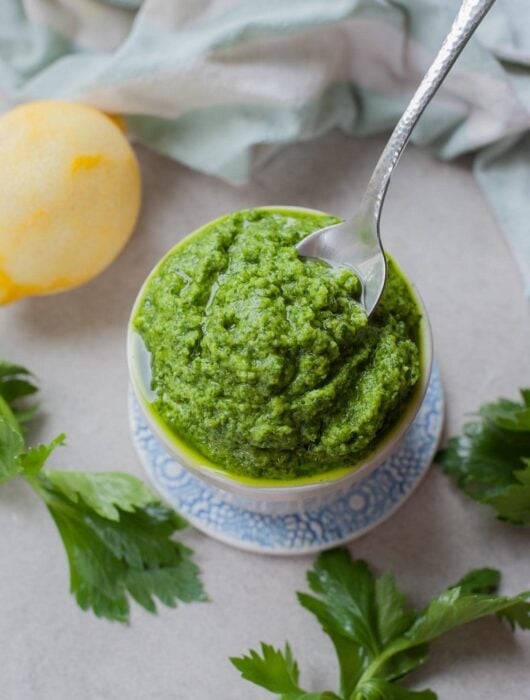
column 357, row 241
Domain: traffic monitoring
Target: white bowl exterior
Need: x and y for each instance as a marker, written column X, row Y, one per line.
column 277, row 500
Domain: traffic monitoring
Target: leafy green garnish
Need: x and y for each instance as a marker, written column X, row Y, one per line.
column 116, row 533
column 11, row 445
column 491, row 459
column 15, row 386
column 377, row 637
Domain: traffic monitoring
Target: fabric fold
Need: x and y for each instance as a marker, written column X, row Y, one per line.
column 206, row 82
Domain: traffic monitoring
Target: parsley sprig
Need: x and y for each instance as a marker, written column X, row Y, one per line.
column 378, row 639
column 491, row 459
column 116, row 533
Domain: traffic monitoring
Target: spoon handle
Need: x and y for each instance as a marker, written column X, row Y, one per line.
column 467, row 20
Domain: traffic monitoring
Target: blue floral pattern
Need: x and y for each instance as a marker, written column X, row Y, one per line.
column 345, row 515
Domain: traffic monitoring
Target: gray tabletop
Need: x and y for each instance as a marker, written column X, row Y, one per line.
column 438, row 225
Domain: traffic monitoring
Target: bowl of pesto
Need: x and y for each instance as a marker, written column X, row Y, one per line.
column 260, row 371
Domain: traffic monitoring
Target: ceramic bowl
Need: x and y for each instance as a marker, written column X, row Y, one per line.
column 269, row 495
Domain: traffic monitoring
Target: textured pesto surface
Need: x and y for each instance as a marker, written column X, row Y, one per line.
column 266, row 363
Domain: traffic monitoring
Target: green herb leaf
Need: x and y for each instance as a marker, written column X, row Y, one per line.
column 273, row 670
column 349, row 653
column 456, row 607
column 106, row 493
column 277, row 672
column 31, row 461
column 378, row 639
column 347, row 591
column 9, row 369
column 377, row 689
column 479, row 581
column 117, row 547
column 13, row 389
column 517, row 614
column 116, row 533
column 11, row 445
column 15, row 386
column 393, row 617
column 346, row 611
column 491, row 459
column 513, row 502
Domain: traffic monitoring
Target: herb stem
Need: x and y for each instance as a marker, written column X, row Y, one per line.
column 375, row 665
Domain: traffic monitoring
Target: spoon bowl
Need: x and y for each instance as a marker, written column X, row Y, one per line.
column 356, row 242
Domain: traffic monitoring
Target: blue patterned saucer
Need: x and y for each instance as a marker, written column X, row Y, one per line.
column 353, row 512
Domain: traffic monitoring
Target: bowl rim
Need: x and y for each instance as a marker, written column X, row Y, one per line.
column 263, row 488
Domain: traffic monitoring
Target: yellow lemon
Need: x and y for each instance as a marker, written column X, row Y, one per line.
column 70, row 194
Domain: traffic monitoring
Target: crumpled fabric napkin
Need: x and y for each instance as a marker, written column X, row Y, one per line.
column 206, row 81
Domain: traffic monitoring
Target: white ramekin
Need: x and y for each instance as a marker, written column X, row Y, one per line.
column 267, row 496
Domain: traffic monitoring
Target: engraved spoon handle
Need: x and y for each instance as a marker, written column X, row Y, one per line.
column 467, row 20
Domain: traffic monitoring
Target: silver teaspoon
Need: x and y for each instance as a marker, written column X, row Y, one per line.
column 356, row 242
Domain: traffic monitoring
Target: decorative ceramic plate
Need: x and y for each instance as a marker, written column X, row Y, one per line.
column 353, row 511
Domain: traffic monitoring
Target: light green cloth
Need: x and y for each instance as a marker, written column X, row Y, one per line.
column 206, row 81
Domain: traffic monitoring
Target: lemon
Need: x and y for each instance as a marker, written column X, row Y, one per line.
column 70, row 194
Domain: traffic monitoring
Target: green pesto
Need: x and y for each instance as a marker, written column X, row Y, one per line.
column 266, row 363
